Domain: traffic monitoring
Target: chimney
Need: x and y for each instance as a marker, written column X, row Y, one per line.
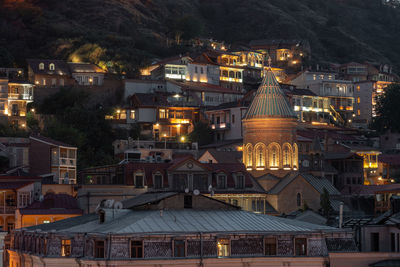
column 340, row 214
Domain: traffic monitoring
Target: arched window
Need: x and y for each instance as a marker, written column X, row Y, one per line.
column 231, row 74
column 260, row 155
column 224, row 73
column 249, row 156
column 287, row 156
column 234, row 62
column 298, row 198
column 41, row 66
column 52, row 67
column 274, row 155
column 295, row 159
column 238, row 75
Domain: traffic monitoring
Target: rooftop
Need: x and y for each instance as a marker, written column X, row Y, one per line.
column 269, row 100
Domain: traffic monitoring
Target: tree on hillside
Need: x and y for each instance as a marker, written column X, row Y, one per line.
column 388, row 111
column 325, row 203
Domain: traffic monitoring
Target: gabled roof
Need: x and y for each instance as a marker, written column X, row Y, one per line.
column 47, row 140
column 225, row 156
column 318, row 183
column 146, row 198
column 183, row 221
column 84, row 68
column 269, row 100
column 60, row 66
column 14, row 185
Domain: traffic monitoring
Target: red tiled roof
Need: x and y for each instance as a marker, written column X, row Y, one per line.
column 14, row 185
column 205, row 87
column 54, row 204
column 44, row 139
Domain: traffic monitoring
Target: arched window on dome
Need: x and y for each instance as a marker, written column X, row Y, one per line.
column 295, row 157
column 259, row 152
column 287, row 156
column 274, row 156
column 249, row 156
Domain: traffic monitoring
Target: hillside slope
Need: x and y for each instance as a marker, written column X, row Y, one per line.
column 122, row 34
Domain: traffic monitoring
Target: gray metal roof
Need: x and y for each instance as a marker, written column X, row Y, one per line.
column 318, row 183
column 180, row 221
column 146, row 199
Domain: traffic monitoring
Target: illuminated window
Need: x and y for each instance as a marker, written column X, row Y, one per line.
column 51, row 66
column 65, row 247
column 136, row 249
column 132, row 115
column 358, row 112
column 249, row 156
column 162, row 114
column 358, row 88
column 41, row 66
column 358, row 100
column 223, row 248
column 260, row 158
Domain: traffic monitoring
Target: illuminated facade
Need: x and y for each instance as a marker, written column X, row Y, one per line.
column 14, row 97
column 269, row 131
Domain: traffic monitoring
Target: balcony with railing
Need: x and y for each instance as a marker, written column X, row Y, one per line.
column 18, row 96
column 7, row 209
column 221, row 126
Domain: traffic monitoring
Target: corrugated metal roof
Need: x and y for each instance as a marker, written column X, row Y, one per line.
column 320, row 183
column 269, row 100
column 181, row 221
column 146, row 198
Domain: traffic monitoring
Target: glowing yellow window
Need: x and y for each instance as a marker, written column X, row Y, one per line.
column 66, row 247
column 358, row 100
column 358, row 112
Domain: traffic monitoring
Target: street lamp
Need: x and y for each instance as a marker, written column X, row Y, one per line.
column 182, row 139
column 165, row 141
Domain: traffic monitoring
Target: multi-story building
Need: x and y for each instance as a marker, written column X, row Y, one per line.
column 339, row 92
column 14, row 97
column 56, row 73
column 226, row 181
column 284, row 53
column 159, row 116
column 173, row 229
column 226, row 120
column 49, row 208
column 16, row 150
column 54, row 158
column 169, row 68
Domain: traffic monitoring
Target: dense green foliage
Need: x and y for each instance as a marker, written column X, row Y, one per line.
column 388, row 111
column 325, row 203
column 122, row 35
column 202, row 134
column 70, row 119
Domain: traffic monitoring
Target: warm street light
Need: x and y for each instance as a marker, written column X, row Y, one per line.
column 182, row 139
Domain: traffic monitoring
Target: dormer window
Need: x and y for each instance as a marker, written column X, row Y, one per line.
column 221, row 181
column 239, row 181
column 158, row 180
column 139, row 179
column 51, row 66
column 41, row 66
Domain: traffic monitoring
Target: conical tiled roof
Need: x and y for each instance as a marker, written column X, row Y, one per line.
column 269, row 100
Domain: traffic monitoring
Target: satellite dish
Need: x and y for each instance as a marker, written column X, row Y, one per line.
column 109, row 203
column 41, row 198
column 118, row 205
column 196, row 192
column 186, row 190
column 209, row 188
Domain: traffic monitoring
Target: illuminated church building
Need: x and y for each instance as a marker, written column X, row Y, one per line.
column 269, row 132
